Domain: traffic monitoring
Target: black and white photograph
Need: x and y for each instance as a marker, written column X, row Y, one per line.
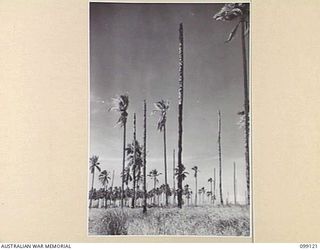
column 169, row 119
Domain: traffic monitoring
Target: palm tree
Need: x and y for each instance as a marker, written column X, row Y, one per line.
column 120, row 104
column 134, row 153
column 154, row 175
column 187, row 193
column 94, row 164
column 234, row 184
column 135, row 162
column 104, row 178
column 181, row 175
column 173, row 175
column 203, row 191
column 196, row 170
column 210, row 180
column 180, row 113
column 144, row 156
column 127, row 177
column 220, row 160
column 162, row 108
column 214, row 185
column 240, row 13
column 200, row 192
column 209, row 195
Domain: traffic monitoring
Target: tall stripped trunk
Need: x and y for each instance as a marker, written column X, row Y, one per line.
column 112, row 179
column 246, row 107
column 111, row 186
column 211, row 191
column 105, row 197
column 144, row 157
column 154, row 188
column 165, row 162
column 123, row 161
column 220, row 164
column 196, row 196
column 90, row 205
column 214, row 184
column 203, row 194
column 180, row 108
column 234, row 184
column 134, row 162
column 174, row 181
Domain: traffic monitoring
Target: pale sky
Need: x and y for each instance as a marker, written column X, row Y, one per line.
column 134, row 50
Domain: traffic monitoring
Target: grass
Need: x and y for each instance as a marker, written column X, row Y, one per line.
column 204, row 220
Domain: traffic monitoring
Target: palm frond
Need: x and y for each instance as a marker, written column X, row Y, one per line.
column 120, row 104
column 161, row 107
column 231, row 11
column 94, row 163
column 232, row 33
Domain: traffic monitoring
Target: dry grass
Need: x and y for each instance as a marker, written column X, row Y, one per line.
column 205, row 220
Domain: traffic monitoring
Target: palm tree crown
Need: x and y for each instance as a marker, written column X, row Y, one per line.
column 104, row 177
column 126, row 175
column 161, row 107
column 233, row 11
column 120, row 104
column 154, row 174
column 94, row 164
column 183, row 172
column 137, row 160
column 196, row 170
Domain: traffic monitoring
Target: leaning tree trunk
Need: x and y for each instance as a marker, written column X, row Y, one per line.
column 144, row 157
column 180, row 108
column 134, row 161
column 123, row 162
column 220, row 165
column 165, row 163
column 246, row 107
column 90, row 205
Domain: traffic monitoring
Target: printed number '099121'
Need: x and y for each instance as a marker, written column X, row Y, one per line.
column 308, row 246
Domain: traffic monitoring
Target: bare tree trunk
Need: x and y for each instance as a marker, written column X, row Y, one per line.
column 180, row 108
column 105, row 197
column 112, row 179
column 90, row 205
column 195, row 198
column 234, row 184
column 134, row 164
column 165, row 162
column 211, row 191
column 154, row 188
column 246, row 107
column 220, row 164
column 214, row 184
column 144, row 157
column 123, row 161
column 174, row 181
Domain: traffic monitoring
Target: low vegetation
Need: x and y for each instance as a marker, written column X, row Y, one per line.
column 204, row 220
